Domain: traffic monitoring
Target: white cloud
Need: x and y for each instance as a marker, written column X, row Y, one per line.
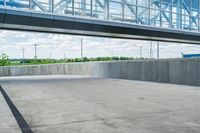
column 11, row 42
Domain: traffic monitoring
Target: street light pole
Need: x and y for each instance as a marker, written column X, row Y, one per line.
column 35, row 45
column 81, row 49
column 158, row 50
column 150, row 50
column 50, row 55
column 23, row 50
column 140, row 51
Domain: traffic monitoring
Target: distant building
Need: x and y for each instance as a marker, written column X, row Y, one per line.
column 191, row 55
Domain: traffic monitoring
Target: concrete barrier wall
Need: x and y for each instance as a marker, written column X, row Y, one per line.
column 177, row 71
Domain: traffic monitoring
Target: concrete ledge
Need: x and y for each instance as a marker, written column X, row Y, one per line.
column 177, row 71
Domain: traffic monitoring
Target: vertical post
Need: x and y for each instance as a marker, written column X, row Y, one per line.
column 29, row 5
column 83, row 8
column 64, row 59
column 136, row 12
column 83, row 5
column 150, row 54
column 199, row 17
column 180, row 14
column 161, row 13
column 4, row 3
column 171, row 17
column 81, row 49
column 140, row 51
column 91, row 8
column 158, row 50
column 32, row 5
column 190, row 15
column 149, row 12
column 198, row 25
column 73, row 11
column 35, row 51
column 106, row 9
column 122, row 11
column 50, row 55
column 35, row 45
column 51, row 5
column 23, row 55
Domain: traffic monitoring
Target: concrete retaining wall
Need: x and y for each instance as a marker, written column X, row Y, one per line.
column 177, row 71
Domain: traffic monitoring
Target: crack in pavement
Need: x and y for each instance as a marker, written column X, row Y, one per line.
column 104, row 119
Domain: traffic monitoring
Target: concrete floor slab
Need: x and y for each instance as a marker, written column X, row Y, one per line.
column 8, row 123
column 77, row 104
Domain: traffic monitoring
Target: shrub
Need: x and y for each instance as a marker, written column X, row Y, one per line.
column 4, row 60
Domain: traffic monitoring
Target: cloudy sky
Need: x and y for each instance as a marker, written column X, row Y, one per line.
column 56, row 45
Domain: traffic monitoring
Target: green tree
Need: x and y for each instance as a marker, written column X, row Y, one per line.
column 4, row 60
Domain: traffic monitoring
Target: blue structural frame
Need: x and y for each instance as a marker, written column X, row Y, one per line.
column 191, row 55
column 173, row 14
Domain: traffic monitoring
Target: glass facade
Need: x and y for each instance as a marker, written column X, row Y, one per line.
column 174, row 14
column 1, row 3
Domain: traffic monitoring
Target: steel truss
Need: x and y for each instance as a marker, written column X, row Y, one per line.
column 175, row 14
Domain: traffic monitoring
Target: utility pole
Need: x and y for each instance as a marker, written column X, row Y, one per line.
column 35, row 45
column 23, row 50
column 151, row 50
column 140, row 51
column 64, row 58
column 50, row 55
column 158, row 50
column 81, row 49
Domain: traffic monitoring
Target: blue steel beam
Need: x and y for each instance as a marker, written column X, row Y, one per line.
column 14, row 4
column 79, row 10
column 163, row 13
column 188, row 11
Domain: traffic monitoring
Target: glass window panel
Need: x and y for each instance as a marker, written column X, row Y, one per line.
column 155, row 4
column 143, row 15
column 59, row 8
column 40, row 5
column 77, row 7
column 185, row 22
column 194, row 20
column 1, row 2
column 115, row 11
column 98, row 9
column 23, row 4
column 129, row 13
column 82, row 8
column 144, row 3
column 194, row 25
column 155, row 18
column 176, row 21
column 132, row 2
column 186, row 7
column 167, row 5
column 166, row 19
column 195, row 7
column 87, row 8
column 176, row 6
column 199, row 25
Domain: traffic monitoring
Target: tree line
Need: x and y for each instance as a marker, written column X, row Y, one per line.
column 5, row 61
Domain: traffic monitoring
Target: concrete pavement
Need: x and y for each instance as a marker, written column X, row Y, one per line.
column 81, row 104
